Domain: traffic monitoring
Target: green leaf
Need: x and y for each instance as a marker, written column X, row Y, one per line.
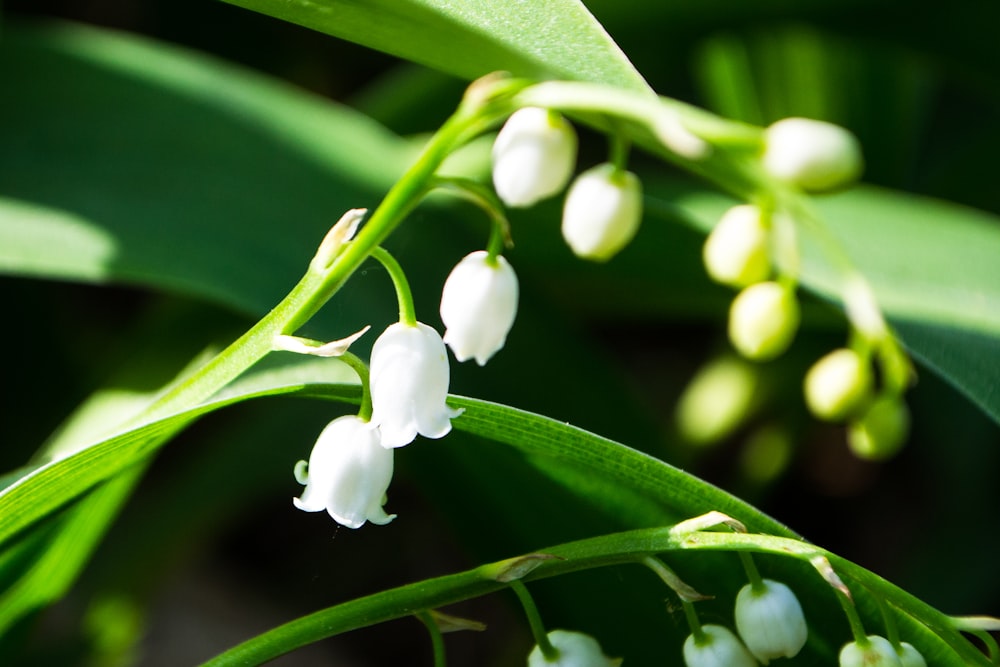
column 541, row 39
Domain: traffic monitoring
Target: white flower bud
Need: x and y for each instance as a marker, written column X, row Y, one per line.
column 478, row 306
column 533, row 156
column 811, row 154
column 838, row 385
column 770, row 622
column 720, row 648
column 736, row 252
column 878, row 653
column 909, row 656
column 409, row 384
column 763, row 320
column 881, row 431
column 348, row 474
column 718, row 400
column 602, row 212
column 575, row 650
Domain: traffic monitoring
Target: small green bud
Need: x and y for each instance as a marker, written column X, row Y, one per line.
column 881, row 431
column 763, row 320
column 736, row 252
column 838, row 385
column 877, row 652
column 717, row 400
column 811, row 154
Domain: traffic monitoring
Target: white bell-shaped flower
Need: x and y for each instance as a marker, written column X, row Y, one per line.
column 533, row 156
column 909, row 656
column 478, row 306
column 770, row 621
column 409, row 384
column 811, row 154
column 348, row 474
column 736, row 251
column 575, row 650
column 877, row 652
column 763, row 320
column 602, row 212
column 718, row 648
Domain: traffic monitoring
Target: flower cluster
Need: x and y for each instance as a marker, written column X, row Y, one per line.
column 770, row 624
column 533, row 159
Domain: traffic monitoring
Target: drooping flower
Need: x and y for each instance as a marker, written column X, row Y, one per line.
column 876, row 652
column 838, row 385
column 575, row 650
column 811, row 154
column 602, row 212
column 409, row 384
column 736, row 251
column 533, row 156
column 881, row 431
column 478, row 306
column 348, row 474
column 909, row 656
column 763, row 320
column 719, row 647
column 770, row 621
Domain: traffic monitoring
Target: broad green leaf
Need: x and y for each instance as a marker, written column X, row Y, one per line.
column 173, row 169
column 540, row 39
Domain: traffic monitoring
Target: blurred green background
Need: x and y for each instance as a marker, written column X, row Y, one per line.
column 210, row 551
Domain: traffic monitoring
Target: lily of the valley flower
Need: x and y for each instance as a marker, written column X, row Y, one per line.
column 348, row 474
column 718, row 647
column 763, row 320
column 602, row 212
column 478, row 305
column 875, row 652
column 533, row 156
column 909, row 656
column 409, row 384
column 736, row 252
column 575, row 650
column 770, row 621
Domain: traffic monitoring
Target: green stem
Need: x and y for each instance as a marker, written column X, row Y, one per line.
column 475, row 114
column 437, row 639
column 694, row 622
column 618, row 151
column 361, row 368
column 550, row 652
column 407, row 314
column 853, row 619
column 753, row 574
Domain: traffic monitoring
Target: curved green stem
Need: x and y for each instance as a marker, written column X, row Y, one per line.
column 694, row 623
column 361, row 368
column 407, row 314
column 753, row 574
column 550, row 652
column 437, row 639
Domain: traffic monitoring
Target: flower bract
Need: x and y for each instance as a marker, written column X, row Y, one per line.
column 533, row 156
column 478, row 306
column 409, row 384
column 602, row 212
column 348, row 474
column 575, row 650
column 770, row 621
column 719, row 647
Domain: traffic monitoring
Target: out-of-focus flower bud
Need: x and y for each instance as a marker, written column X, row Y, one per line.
column 736, row 251
column 763, row 320
column 838, row 385
column 812, row 154
column 881, row 431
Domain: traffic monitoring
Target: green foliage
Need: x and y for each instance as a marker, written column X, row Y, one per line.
column 132, row 162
